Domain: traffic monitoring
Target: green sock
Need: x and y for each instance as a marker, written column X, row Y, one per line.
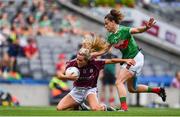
column 122, row 99
column 149, row 89
column 153, row 89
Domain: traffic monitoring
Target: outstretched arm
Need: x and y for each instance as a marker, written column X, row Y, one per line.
column 95, row 54
column 118, row 60
column 141, row 29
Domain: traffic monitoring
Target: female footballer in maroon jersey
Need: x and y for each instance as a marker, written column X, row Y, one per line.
column 85, row 87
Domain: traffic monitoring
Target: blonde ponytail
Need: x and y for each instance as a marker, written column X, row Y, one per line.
column 94, row 43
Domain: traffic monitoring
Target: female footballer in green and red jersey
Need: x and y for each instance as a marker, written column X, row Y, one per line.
column 120, row 37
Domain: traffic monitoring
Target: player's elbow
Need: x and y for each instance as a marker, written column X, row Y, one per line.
column 119, row 82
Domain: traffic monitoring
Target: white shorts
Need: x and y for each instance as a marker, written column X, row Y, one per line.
column 139, row 59
column 79, row 94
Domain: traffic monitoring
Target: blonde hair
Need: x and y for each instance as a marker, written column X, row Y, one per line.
column 94, row 43
column 85, row 52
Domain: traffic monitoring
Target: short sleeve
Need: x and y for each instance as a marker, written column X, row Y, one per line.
column 123, row 33
column 100, row 63
column 126, row 32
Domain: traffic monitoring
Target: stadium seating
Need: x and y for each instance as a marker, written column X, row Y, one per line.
column 167, row 10
column 43, row 67
column 49, row 50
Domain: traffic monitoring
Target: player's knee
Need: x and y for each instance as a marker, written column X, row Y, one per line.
column 118, row 82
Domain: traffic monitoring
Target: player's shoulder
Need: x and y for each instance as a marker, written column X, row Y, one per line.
column 123, row 28
column 71, row 62
column 99, row 63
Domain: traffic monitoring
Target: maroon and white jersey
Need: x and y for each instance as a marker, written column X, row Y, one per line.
column 88, row 74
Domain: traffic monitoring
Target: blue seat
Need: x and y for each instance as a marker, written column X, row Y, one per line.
column 159, row 80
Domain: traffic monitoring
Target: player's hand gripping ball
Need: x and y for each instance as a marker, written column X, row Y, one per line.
column 72, row 71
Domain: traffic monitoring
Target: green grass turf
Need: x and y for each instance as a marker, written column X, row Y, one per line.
column 51, row 111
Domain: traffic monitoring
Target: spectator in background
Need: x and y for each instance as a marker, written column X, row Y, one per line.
column 12, row 34
column 2, row 39
column 176, row 81
column 56, row 14
column 26, row 31
column 65, row 26
column 31, row 50
column 56, row 18
column 14, row 50
column 75, row 24
column 108, row 79
column 58, row 88
column 5, row 65
column 18, row 30
column 6, row 69
column 61, row 63
column 40, row 9
column 19, row 20
column 30, row 20
column 45, row 27
column 7, row 99
column 34, row 5
column 44, row 21
column 4, row 20
column 10, row 8
column 2, row 7
column 24, row 7
column 32, row 25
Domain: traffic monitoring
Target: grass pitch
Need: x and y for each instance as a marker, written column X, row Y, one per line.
column 51, row 111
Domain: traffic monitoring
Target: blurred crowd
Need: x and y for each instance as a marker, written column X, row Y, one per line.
column 36, row 18
column 102, row 7
column 22, row 21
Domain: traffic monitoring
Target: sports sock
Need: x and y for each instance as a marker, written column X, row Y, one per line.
column 153, row 89
column 123, row 103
